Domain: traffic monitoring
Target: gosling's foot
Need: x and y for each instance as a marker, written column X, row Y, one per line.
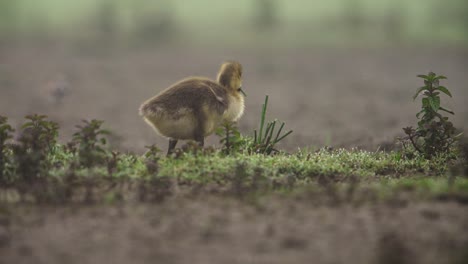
column 172, row 145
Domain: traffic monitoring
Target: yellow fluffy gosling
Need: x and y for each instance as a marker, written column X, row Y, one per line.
column 193, row 108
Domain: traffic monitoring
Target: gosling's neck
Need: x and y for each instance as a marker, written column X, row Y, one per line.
column 235, row 108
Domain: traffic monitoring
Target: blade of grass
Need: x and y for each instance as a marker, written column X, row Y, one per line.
column 262, row 121
column 279, row 132
column 267, row 130
column 285, row 135
column 268, row 137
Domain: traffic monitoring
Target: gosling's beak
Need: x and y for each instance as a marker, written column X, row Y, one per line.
column 242, row 91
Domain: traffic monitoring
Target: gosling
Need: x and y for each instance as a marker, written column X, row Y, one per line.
column 193, row 108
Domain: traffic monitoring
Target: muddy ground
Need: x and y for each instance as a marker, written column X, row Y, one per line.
column 212, row 230
column 340, row 97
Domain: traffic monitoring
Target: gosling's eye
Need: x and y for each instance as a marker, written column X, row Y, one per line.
column 239, row 89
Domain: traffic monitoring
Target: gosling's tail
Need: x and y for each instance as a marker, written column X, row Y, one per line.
column 149, row 109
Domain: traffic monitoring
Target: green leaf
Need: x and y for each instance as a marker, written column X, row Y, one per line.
column 458, row 135
column 431, row 76
column 435, row 103
column 421, row 123
column 422, row 76
column 425, row 102
column 420, row 89
column 25, row 125
column 447, row 110
column 444, row 90
column 440, row 77
column 104, row 132
column 420, row 112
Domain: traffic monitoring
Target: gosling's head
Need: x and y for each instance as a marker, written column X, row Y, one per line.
column 230, row 76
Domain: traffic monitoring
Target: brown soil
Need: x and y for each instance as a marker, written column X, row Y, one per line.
column 351, row 98
column 212, row 230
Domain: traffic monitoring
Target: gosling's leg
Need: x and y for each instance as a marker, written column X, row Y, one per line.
column 199, row 132
column 172, row 144
column 200, row 140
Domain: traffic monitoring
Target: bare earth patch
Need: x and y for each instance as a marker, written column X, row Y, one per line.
column 212, row 230
column 339, row 97
column 350, row 98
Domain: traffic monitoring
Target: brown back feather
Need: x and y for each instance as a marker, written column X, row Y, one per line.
column 191, row 93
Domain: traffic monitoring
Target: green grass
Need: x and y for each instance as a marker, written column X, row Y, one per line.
column 340, row 162
column 37, row 168
column 385, row 174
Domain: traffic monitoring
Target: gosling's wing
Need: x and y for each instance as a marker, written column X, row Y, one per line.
column 190, row 94
column 215, row 96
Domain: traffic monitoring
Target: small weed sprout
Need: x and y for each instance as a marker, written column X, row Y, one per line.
column 152, row 159
column 38, row 139
column 435, row 133
column 91, row 141
column 265, row 140
column 5, row 135
column 231, row 138
column 43, row 132
column 112, row 162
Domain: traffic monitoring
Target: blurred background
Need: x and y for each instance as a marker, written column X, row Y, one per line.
column 339, row 72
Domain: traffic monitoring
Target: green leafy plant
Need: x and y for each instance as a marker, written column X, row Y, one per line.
column 231, row 138
column 5, row 135
column 266, row 140
column 435, row 133
column 91, row 141
column 112, row 162
column 38, row 138
column 263, row 142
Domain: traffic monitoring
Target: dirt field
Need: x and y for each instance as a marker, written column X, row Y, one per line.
column 351, row 98
column 339, row 97
column 212, row 230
